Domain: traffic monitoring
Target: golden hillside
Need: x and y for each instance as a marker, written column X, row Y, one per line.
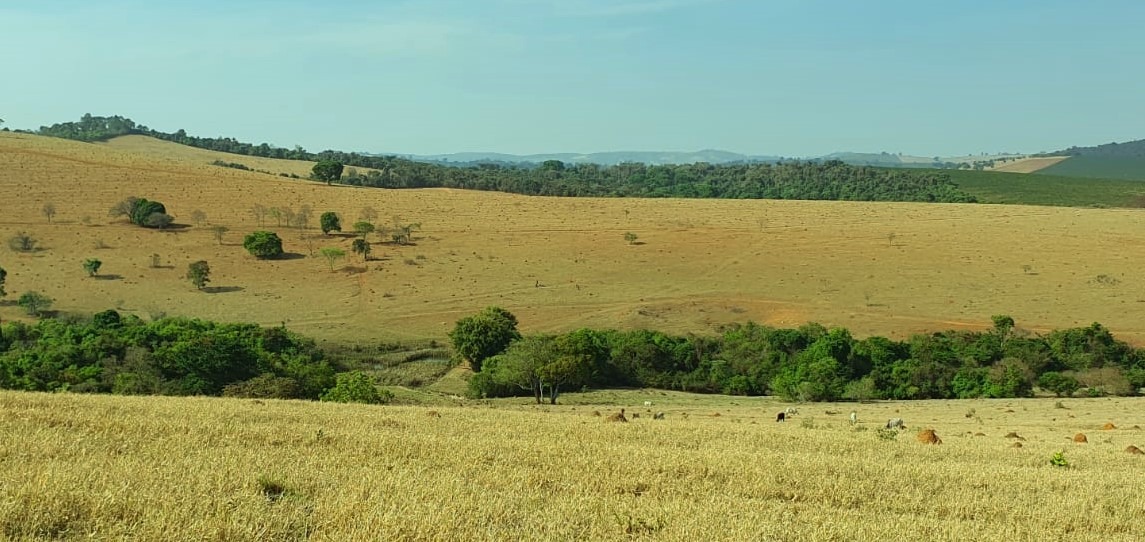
column 557, row 263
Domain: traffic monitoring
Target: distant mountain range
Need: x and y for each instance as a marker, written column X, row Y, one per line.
column 711, row 156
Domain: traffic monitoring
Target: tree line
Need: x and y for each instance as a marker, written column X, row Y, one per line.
column 809, row 363
column 829, row 180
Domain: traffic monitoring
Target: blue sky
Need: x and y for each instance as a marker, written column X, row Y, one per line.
column 787, row 77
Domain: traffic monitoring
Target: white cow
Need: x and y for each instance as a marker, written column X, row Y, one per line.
column 647, row 403
column 895, row 423
column 854, row 417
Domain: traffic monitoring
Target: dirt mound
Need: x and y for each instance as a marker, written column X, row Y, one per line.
column 1080, row 438
column 1134, row 450
column 715, row 414
column 1108, row 426
column 596, row 413
column 1013, row 434
column 1016, row 445
column 928, row 436
column 979, row 434
column 618, row 417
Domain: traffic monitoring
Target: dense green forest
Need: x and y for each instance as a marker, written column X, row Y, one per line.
column 109, row 353
column 814, row 363
column 831, row 180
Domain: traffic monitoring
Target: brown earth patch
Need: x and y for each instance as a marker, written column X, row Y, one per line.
column 928, row 436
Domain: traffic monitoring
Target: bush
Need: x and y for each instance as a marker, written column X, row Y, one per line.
column 1062, row 385
column 22, row 242
column 330, row 222
column 356, row 387
column 263, row 244
column 106, row 319
column 92, row 265
column 264, row 386
column 143, row 209
column 34, row 303
column 483, row 335
column 199, row 273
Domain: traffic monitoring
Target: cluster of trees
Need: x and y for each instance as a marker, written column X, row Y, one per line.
column 143, row 212
column 810, row 363
column 172, row 356
column 831, row 180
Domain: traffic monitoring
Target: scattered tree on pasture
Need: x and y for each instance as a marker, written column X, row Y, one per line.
column 327, row 170
column 630, row 237
column 199, row 273
column 263, row 244
column 49, row 211
column 258, row 211
column 92, row 265
column 219, row 232
column 363, row 228
column 158, row 220
column 199, row 217
column 368, row 214
column 332, row 254
column 361, row 247
column 330, row 222
column 483, row 335
column 34, row 303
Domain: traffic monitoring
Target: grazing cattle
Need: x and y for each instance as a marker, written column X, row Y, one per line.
column 791, row 411
column 896, row 423
column 781, row 417
column 647, row 403
column 854, row 417
column 658, row 416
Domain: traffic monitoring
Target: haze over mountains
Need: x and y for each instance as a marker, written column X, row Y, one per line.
column 711, row 156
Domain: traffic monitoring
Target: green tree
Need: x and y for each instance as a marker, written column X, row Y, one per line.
column 485, row 334
column 355, row 387
column 142, row 209
column 263, row 244
column 630, row 237
column 363, row 228
column 362, row 248
column 92, row 265
column 34, row 303
column 327, row 170
column 332, row 255
column 330, row 222
column 219, row 232
column 199, row 273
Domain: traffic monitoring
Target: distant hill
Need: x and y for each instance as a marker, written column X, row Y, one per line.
column 1111, row 161
column 710, row 156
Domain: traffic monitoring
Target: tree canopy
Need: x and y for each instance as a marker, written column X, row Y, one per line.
column 483, row 335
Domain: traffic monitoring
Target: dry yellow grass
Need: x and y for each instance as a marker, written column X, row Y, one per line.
column 1028, row 165
column 558, row 263
column 101, row 467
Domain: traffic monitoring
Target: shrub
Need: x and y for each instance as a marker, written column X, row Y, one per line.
column 22, row 242
column 143, row 209
column 158, row 220
column 199, row 273
column 263, row 244
column 106, row 319
column 92, row 265
column 1106, row 381
column 34, row 303
column 1062, row 385
column 356, row 387
column 1059, row 460
column 264, row 386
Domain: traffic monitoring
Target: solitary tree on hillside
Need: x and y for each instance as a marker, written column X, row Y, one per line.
column 49, row 211
column 363, row 228
column 263, row 244
column 630, row 237
column 327, row 170
column 34, row 303
column 330, row 222
column 332, row 255
column 92, row 265
column 484, row 335
column 361, row 247
column 199, row 274
column 219, row 232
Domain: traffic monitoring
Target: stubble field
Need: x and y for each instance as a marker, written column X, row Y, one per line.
column 716, row 468
column 876, row 268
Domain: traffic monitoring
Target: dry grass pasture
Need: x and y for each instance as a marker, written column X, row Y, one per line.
column 1028, row 165
column 557, row 263
column 717, row 468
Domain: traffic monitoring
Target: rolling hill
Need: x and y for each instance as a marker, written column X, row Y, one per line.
column 557, row 263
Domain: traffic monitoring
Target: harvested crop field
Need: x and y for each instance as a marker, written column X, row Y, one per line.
column 104, row 467
column 557, row 263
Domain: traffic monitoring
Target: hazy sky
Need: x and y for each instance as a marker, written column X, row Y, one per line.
column 788, row 77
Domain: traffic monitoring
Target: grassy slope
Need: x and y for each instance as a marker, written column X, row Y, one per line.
column 1108, row 167
column 717, row 468
column 1043, row 189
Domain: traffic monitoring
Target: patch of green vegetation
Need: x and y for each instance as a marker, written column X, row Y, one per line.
column 1042, row 189
column 1105, row 167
